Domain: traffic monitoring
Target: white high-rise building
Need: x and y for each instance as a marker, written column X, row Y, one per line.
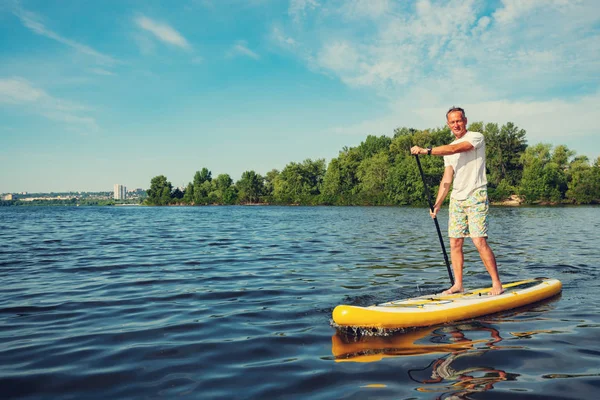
column 120, row 192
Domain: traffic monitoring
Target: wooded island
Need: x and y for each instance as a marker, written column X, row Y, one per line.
column 381, row 171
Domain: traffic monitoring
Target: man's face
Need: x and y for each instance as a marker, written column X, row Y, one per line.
column 457, row 124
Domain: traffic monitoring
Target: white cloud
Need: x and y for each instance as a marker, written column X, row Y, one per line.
column 298, row 8
column 338, row 56
column 448, row 18
column 162, row 32
column 282, row 39
column 396, row 49
column 21, row 93
column 482, row 25
column 34, row 23
column 545, row 120
column 241, row 48
column 358, row 9
column 513, row 10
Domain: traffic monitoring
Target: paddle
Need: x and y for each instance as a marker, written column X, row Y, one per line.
column 437, row 225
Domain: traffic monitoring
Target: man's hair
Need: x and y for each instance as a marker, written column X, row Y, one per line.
column 453, row 108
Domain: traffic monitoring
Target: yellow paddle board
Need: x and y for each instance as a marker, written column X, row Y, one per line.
column 438, row 309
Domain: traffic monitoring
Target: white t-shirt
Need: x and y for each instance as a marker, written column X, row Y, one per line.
column 469, row 166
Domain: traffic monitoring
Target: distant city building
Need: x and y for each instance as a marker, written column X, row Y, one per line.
column 9, row 197
column 120, row 192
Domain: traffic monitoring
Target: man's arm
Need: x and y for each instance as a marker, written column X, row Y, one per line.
column 443, row 190
column 444, row 150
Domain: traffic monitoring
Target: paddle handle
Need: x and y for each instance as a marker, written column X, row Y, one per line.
column 437, row 225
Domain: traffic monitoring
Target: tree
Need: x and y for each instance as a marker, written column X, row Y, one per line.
column 177, row 194
column 373, row 145
column 270, row 179
column 159, row 193
column 300, row 183
column 400, row 146
column 220, row 187
column 561, row 156
column 230, row 195
column 205, row 175
column 188, row 194
column 584, row 181
column 404, row 131
column 250, row 187
column 404, row 184
column 405, row 138
column 544, row 179
column 200, row 189
column 223, row 182
column 372, row 174
column 504, row 148
column 340, row 182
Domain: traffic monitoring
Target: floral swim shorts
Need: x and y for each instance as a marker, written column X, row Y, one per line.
column 469, row 217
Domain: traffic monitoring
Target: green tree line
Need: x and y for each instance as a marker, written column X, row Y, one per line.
column 381, row 171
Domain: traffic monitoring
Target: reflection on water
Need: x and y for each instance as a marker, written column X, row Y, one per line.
column 441, row 339
column 462, row 369
column 448, row 375
column 456, row 373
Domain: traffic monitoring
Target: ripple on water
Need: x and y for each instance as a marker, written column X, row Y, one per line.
column 222, row 302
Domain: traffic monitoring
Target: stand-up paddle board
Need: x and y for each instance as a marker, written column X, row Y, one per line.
column 438, row 309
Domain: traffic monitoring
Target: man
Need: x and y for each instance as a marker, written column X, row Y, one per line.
column 464, row 161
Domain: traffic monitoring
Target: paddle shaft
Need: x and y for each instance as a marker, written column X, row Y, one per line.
column 437, row 225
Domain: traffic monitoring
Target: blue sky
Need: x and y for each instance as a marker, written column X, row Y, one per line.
column 94, row 93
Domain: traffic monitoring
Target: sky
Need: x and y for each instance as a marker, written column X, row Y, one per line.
column 94, row 93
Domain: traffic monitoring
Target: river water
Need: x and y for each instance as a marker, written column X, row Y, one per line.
column 236, row 302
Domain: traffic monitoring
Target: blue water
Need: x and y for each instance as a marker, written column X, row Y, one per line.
column 235, row 302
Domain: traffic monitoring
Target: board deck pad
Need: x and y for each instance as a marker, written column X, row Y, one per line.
column 441, row 308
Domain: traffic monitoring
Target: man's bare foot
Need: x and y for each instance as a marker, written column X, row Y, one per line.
column 496, row 290
column 453, row 290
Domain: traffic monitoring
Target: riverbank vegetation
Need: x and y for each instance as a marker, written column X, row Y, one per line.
column 381, row 171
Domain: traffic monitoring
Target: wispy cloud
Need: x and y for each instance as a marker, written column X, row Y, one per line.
column 100, row 71
column 35, row 23
column 513, row 10
column 358, row 9
column 240, row 48
column 298, row 8
column 163, row 32
column 21, row 93
column 281, row 38
column 338, row 56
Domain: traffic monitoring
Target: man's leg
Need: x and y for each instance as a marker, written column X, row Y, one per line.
column 478, row 227
column 457, row 257
column 458, row 228
column 489, row 260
